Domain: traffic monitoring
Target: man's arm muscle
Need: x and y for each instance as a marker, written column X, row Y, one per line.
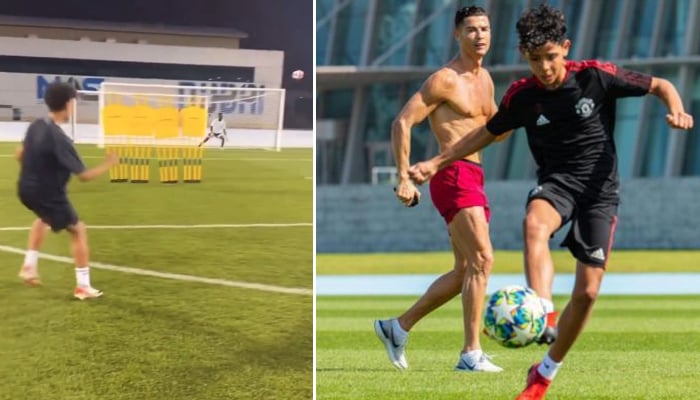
column 418, row 108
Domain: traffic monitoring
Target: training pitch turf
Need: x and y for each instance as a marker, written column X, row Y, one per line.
column 634, row 348
column 160, row 338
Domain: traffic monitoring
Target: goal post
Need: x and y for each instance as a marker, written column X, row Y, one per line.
column 84, row 123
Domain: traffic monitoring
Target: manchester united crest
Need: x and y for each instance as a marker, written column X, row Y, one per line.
column 584, row 107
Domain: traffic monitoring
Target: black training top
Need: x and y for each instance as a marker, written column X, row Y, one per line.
column 48, row 160
column 570, row 129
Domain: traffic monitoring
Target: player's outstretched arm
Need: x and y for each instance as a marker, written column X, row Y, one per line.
column 677, row 117
column 470, row 143
column 416, row 110
column 111, row 160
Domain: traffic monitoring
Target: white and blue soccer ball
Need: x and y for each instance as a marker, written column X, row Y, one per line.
column 514, row 316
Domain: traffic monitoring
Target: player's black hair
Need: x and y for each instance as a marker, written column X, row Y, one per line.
column 468, row 11
column 540, row 25
column 58, row 95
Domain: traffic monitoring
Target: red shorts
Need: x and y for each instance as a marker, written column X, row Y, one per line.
column 460, row 185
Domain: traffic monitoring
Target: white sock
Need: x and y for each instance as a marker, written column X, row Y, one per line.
column 399, row 332
column 82, row 276
column 31, row 258
column 548, row 368
column 547, row 304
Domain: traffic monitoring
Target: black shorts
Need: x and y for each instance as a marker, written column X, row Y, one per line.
column 56, row 212
column 590, row 236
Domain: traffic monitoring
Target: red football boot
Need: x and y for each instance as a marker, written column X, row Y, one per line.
column 537, row 385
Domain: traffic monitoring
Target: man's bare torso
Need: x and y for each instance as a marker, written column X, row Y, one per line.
column 468, row 105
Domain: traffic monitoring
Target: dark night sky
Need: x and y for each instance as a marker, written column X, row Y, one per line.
column 270, row 24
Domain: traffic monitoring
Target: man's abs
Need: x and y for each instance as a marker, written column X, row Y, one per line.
column 450, row 125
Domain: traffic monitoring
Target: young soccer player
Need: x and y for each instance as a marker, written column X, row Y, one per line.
column 47, row 159
column 568, row 111
column 217, row 129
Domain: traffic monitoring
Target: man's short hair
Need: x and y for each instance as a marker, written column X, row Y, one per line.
column 468, row 11
column 540, row 25
column 58, row 95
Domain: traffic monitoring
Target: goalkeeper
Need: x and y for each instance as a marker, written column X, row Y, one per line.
column 217, row 129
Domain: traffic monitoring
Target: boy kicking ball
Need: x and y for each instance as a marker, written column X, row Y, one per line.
column 48, row 158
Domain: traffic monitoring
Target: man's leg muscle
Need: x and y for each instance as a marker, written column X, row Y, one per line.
column 470, row 233
column 440, row 291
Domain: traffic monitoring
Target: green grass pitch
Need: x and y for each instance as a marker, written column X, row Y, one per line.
column 156, row 338
column 635, row 347
column 642, row 348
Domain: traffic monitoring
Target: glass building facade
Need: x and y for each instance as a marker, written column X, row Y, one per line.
column 372, row 55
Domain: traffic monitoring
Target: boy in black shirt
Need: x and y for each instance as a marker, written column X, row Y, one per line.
column 568, row 111
column 47, row 159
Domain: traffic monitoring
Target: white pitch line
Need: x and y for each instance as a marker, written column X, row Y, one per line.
column 166, row 275
column 201, row 226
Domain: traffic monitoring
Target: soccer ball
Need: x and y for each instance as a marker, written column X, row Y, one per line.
column 298, row 74
column 514, row 316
